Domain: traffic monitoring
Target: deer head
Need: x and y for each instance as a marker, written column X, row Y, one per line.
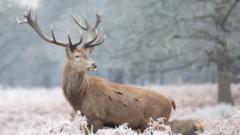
column 78, row 54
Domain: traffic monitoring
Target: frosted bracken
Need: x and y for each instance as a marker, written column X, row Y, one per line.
column 45, row 112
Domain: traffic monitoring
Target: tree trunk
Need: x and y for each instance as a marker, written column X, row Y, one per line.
column 224, row 87
column 224, row 76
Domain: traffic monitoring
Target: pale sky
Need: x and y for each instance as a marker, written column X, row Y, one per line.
column 27, row 3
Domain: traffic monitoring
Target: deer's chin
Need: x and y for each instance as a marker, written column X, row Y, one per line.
column 91, row 69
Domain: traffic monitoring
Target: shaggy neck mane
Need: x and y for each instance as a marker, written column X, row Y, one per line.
column 74, row 85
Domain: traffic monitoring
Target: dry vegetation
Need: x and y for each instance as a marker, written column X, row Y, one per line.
column 42, row 111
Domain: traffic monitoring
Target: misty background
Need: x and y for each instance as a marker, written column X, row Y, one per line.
column 148, row 42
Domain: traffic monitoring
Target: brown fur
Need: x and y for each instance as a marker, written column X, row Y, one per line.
column 109, row 104
column 186, row 127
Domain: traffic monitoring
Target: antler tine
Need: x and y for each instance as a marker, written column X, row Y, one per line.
column 35, row 26
column 21, row 21
column 28, row 13
column 99, row 41
column 98, row 38
column 87, row 44
column 99, row 20
column 69, row 38
column 81, row 38
column 52, row 32
column 88, row 27
column 25, row 20
column 79, row 24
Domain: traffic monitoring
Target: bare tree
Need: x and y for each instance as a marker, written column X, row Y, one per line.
column 220, row 41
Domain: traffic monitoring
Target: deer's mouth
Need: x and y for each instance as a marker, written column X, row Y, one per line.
column 91, row 68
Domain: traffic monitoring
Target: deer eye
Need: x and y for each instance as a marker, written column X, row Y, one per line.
column 77, row 56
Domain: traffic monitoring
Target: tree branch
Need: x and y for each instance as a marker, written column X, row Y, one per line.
column 182, row 66
column 225, row 18
column 199, row 35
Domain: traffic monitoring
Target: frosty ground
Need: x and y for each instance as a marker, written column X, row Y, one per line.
column 41, row 111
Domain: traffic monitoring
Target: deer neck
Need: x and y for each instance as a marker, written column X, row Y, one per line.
column 74, row 85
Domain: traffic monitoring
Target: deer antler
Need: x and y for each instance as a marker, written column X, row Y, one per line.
column 35, row 26
column 98, row 37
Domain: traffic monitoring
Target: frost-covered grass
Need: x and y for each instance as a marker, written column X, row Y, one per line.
column 45, row 112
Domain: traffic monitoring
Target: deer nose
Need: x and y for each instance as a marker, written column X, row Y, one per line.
column 94, row 65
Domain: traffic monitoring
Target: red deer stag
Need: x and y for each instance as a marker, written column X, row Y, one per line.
column 104, row 103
